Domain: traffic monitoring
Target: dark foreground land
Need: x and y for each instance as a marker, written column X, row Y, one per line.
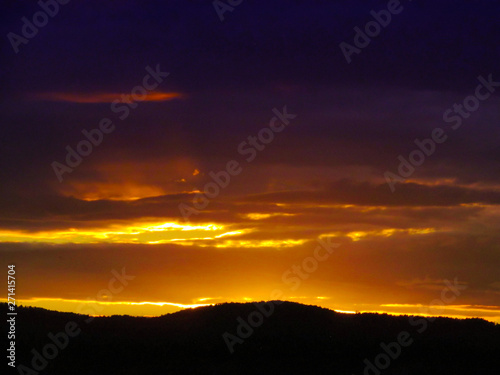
column 293, row 339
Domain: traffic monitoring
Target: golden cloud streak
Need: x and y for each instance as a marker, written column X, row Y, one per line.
column 145, row 232
column 388, row 232
column 262, row 216
column 246, row 243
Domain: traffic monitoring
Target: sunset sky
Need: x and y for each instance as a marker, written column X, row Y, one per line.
column 322, row 178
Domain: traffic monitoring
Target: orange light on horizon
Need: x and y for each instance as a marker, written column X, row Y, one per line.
column 151, row 308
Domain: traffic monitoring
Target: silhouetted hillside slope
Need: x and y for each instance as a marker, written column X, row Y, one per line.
column 294, row 339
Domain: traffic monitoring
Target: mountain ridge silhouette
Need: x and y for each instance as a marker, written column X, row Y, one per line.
column 293, row 339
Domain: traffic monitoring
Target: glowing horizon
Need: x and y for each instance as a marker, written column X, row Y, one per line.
column 158, row 308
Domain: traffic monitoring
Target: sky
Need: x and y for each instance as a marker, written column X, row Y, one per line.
column 167, row 154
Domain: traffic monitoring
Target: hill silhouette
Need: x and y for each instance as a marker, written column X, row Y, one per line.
column 293, row 339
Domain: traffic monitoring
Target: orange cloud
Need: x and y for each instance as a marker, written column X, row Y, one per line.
column 102, row 97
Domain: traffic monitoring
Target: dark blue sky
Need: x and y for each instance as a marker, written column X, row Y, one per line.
column 233, row 73
column 101, row 45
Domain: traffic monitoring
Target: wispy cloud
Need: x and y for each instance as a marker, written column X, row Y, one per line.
column 103, row 97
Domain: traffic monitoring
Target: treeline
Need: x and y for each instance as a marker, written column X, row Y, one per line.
column 293, row 339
